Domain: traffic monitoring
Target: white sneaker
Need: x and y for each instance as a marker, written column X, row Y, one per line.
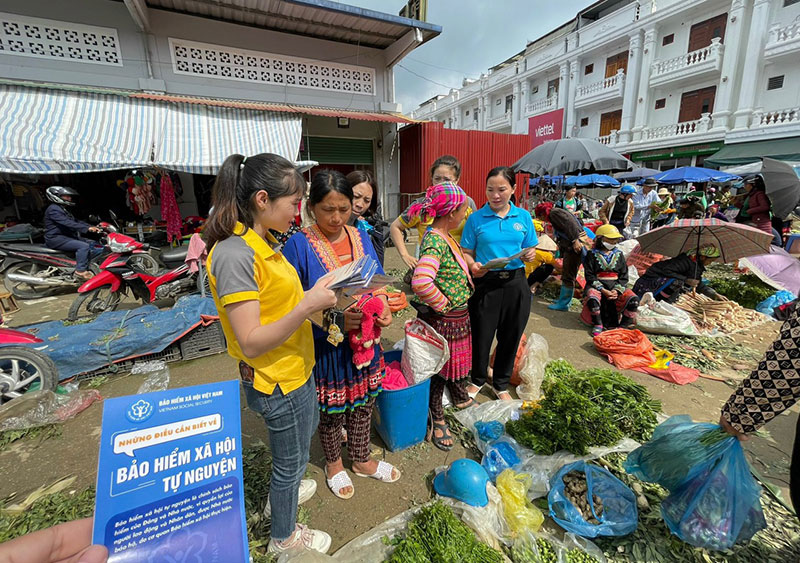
column 307, row 489
column 302, row 538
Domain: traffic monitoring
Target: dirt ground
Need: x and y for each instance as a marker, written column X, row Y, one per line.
column 30, row 463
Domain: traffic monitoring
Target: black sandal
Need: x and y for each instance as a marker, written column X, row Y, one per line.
column 438, row 441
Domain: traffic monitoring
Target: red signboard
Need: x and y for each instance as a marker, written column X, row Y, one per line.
column 546, row 127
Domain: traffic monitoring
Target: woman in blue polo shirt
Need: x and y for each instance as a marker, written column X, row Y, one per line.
column 501, row 303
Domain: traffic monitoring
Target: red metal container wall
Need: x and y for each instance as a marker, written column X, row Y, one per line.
column 478, row 151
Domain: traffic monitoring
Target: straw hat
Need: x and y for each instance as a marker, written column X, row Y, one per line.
column 663, row 191
column 546, row 244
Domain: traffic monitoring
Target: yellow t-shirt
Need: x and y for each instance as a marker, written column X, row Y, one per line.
column 244, row 267
column 422, row 225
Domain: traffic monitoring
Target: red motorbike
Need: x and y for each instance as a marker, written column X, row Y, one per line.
column 120, row 272
column 23, row 368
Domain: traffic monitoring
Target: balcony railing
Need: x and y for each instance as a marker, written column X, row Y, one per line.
column 541, row 106
column 783, row 39
column 762, row 118
column 603, row 91
column 499, row 120
column 701, row 125
column 611, row 139
column 705, row 60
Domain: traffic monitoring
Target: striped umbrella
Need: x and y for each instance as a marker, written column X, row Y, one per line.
column 734, row 240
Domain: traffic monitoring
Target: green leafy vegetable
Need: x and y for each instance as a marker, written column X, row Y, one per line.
column 747, row 290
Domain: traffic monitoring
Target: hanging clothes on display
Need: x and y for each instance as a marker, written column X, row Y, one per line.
column 140, row 191
column 169, row 208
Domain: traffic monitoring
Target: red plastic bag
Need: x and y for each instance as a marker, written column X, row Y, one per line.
column 675, row 373
column 515, row 380
column 625, row 349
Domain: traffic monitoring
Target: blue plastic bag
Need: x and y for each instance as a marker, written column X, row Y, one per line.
column 619, row 517
column 501, row 454
column 489, row 431
column 716, row 503
column 775, row 300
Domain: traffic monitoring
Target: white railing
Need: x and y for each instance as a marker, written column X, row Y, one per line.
column 701, row 125
column 778, row 34
column 694, row 58
column 499, row 120
column 611, row 139
column 540, row 106
column 763, row 118
column 605, row 85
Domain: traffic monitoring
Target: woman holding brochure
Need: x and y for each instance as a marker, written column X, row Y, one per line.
column 496, row 240
column 264, row 314
column 346, row 394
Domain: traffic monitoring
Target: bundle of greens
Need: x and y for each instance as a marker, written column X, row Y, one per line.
column 581, row 409
column 436, row 535
column 747, row 290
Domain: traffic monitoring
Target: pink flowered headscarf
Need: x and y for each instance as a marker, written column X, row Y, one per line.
column 439, row 200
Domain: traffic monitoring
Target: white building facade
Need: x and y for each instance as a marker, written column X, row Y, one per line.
column 668, row 82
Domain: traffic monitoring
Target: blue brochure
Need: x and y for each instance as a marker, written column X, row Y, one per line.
column 169, row 478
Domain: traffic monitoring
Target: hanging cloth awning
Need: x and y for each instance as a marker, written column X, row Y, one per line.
column 59, row 131
column 198, row 138
column 754, row 151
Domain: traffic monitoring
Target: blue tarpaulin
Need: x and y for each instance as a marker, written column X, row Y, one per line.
column 119, row 335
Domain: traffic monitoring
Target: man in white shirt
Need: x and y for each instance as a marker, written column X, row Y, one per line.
column 644, row 201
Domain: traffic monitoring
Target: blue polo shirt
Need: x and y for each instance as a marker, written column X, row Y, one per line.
column 490, row 236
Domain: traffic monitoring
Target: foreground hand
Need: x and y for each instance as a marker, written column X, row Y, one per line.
column 410, row 261
column 692, row 283
column 529, row 256
column 732, row 431
column 95, row 230
column 577, row 245
column 320, row 297
column 719, row 297
column 70, row 542
column 477, row 270
column 385, row 318
column 352, row 319
column 609, row 293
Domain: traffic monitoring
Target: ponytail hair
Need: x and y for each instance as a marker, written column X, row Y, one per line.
column 238, row 180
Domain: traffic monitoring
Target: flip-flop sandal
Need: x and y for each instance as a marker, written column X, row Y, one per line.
column 438, row 441
column 339, row 482
column 382, row 474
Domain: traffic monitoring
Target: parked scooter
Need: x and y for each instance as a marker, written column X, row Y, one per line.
column 121, row 273
column 23, row 368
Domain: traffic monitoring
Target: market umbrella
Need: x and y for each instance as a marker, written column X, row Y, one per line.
column 734, row 240
column 599, row 180
column 783, row 186
column 779, row 269
column 686, row 174
column 637, row 174
column 570, row 156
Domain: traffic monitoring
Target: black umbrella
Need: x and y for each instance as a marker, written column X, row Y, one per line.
column 636, row 174
column 570, row 156
column 783, row 186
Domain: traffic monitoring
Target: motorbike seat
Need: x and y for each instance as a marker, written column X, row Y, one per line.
column 24, row 247
column 175, row 256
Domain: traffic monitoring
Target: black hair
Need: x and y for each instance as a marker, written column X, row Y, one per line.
column 325, row 182
column 505, row 172
column 758, row 184
column 447, row 160
column 357, row 177
column 238, row 180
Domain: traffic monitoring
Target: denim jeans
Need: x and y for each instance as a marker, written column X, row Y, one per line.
column 291, row 422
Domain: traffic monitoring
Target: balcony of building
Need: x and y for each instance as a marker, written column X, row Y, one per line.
column 541, row 106
column 499, row 121
column 783, row 40
column 686, row 131
column 693, row 66
column 611, row 140
column 604, row 91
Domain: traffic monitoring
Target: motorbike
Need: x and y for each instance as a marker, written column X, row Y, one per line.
column 120, row 273
column 33, row 271
column 23, row 367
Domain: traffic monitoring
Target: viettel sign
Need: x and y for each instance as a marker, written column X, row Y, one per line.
column 546, row 127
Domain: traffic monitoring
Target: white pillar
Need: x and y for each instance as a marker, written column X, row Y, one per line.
column 454, row 117
column 571, row 129
column 516, row 105
column 729, row 78
column 752, row 60
column 483, row 118
column 523, row 100
column 631, row 88
column 643, row 98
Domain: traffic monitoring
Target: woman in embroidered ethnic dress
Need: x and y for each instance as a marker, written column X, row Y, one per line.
column 442, row 282
column 346, row 394
column 609, row 303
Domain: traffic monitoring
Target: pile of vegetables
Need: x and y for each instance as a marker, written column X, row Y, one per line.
column 577, row 491
column 747, row 290
column 525, row 550
column 581, row 409
column 436, row 535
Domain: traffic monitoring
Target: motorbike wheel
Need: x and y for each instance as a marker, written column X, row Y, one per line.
column 92, row 303
column 146, row 263
column 24, row 290
column 22, row 367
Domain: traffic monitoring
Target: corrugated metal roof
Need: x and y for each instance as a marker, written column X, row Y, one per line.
column 313, row 18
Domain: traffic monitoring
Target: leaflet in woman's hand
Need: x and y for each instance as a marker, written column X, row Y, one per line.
column 498, row 263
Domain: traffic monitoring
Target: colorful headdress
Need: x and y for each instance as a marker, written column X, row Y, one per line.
column 708, row 250
column 439, row 200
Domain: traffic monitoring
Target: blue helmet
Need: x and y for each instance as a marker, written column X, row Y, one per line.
column 464, row 480
column 627, row 189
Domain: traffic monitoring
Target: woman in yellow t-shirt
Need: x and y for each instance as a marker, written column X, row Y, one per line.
column 264, row 315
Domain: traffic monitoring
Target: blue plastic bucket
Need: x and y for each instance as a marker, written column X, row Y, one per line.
column 401, row 416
